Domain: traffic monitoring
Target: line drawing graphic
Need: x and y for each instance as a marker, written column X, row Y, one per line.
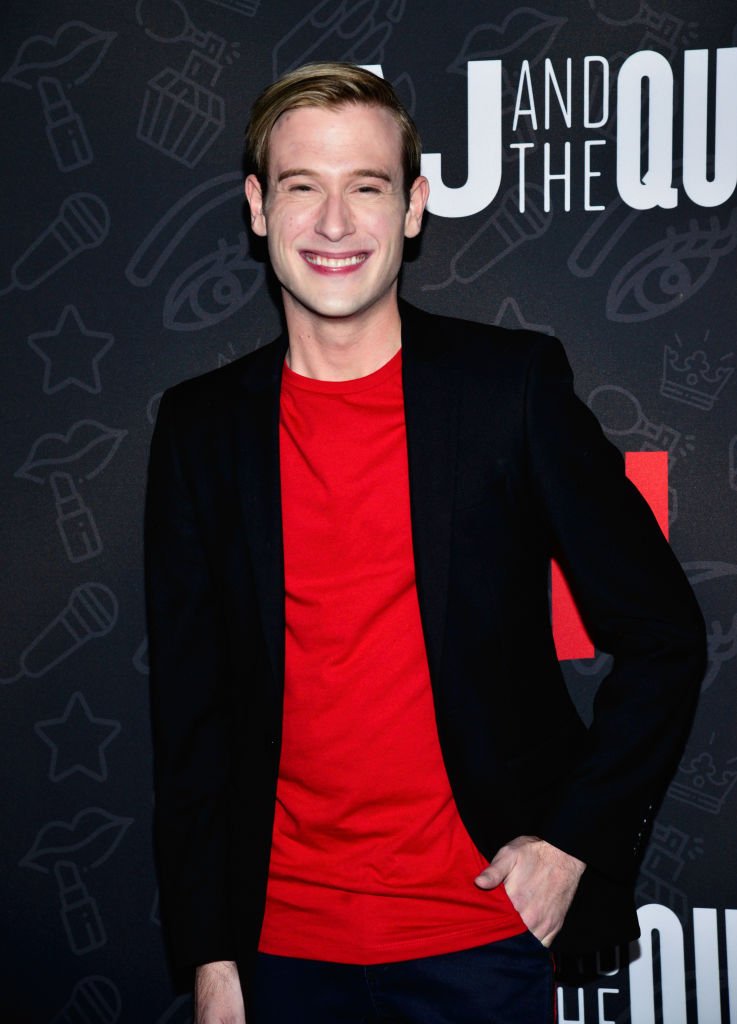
column 509, row 314
column 248, row 8
column 85, row 449
column 181, row 116
column 140, row 658
column 620, row 414
column 356, row 32
column 74, row 519
column 508, row 228
column 73, row 54
column 91, row 612
column 78, row 741
column 80, row 914
column 71, row 353
column 168, row 21
column 83, row 222
column 213, row 288
column 164, row 238
column 705, row 779
column 693, row 380
column 666, row 274
column 511, row 39
column 603, row 234
column 88, row 840
column 180, row 1011
column 94, row 1000
column 65, row 130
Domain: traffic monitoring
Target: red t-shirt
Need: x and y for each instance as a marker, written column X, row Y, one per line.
column 370, row 861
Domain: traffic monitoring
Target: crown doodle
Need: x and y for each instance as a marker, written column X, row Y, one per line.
column 692, row 381
column 701, row 783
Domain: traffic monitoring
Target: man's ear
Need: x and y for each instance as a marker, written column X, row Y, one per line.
column 418, row 196
column 255, row 198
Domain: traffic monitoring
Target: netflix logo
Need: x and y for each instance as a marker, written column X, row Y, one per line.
column 648, row 471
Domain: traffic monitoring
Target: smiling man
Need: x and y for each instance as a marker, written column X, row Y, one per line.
column 375, row 799
column 335, row 209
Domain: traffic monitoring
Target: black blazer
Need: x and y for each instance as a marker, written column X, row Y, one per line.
column 507, row 467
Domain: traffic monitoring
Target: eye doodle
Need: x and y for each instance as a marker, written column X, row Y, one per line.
column 213, row 288
column 669, row 272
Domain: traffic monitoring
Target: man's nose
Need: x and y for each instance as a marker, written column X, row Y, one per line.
column 335, row 220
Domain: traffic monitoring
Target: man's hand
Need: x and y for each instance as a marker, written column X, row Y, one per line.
column 218, row 998
column 540, row 880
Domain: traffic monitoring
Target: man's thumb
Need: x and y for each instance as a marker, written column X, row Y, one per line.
column 490, row 878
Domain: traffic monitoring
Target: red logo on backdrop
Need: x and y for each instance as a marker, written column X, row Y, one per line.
column 648, row 471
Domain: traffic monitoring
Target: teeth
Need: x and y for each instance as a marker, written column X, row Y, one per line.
column 325, row 261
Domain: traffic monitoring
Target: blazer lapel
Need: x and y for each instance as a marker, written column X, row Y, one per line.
column 431, row 413
column 256, row 456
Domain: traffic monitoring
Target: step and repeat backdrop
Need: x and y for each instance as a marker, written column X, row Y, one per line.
column 583, row 165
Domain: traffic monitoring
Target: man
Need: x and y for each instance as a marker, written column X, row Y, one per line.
column 375, row 800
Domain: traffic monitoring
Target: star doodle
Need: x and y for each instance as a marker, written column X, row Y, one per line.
column 71, row 353
column 78, row 741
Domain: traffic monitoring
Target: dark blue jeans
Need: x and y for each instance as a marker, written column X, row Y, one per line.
column 507, row 982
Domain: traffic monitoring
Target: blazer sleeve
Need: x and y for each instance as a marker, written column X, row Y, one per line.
column 189, row 710
column 637, row 605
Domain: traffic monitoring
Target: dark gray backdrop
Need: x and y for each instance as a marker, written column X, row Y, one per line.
column 126, row 267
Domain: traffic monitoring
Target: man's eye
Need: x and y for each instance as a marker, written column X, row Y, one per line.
column 368, row 188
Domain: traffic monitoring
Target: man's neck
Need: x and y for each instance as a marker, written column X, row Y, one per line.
column 342, row 348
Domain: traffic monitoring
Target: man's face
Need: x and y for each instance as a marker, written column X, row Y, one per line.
column 335, row 214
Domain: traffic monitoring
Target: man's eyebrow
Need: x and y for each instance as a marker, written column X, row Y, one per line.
column 294, row 172
column 371, row 172
column 361, row 172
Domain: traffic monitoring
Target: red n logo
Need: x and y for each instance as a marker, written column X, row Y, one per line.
column 648, row 471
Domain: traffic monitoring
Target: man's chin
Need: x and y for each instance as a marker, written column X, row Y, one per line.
column 337, row 309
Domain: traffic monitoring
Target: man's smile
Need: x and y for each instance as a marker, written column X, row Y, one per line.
column 331, row 264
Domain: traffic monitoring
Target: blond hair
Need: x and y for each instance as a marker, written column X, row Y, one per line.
column 327, row 85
